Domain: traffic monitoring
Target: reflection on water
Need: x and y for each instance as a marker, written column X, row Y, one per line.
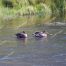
column 22, row 41
column 32, row 51
column 23, row 21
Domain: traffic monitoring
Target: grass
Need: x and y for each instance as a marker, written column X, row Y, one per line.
column 35, row 12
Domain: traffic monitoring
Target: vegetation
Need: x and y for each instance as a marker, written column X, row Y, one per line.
column 18, row 12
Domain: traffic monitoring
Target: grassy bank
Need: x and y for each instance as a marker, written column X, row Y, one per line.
column 30, row 12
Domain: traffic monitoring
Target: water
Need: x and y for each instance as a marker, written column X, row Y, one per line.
column 49, row 51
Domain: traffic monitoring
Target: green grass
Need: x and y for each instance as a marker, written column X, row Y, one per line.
column 43, row 11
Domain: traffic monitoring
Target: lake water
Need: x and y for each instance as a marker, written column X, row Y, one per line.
column 50, row 51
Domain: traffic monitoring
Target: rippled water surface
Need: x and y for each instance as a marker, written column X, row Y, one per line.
column 49, row 51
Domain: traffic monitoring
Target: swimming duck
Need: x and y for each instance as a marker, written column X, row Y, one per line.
column 21, row 35
column 40, row 34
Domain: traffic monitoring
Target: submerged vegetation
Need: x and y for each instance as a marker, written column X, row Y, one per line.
column 19, row 13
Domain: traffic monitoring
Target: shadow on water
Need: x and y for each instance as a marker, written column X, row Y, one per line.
column 22, row 42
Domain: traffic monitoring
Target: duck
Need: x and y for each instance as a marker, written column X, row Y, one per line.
column 22, row 35
column 40, row 34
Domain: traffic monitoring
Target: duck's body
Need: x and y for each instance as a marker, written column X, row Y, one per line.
column 21, row 35
column 40, row 34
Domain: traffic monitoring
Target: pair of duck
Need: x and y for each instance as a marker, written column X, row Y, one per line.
column 36, row 34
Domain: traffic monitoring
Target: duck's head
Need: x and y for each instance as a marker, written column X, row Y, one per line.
column 44, row 31
column 23, row 32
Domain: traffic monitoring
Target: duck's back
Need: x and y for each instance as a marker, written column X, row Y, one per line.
column 20, row 35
